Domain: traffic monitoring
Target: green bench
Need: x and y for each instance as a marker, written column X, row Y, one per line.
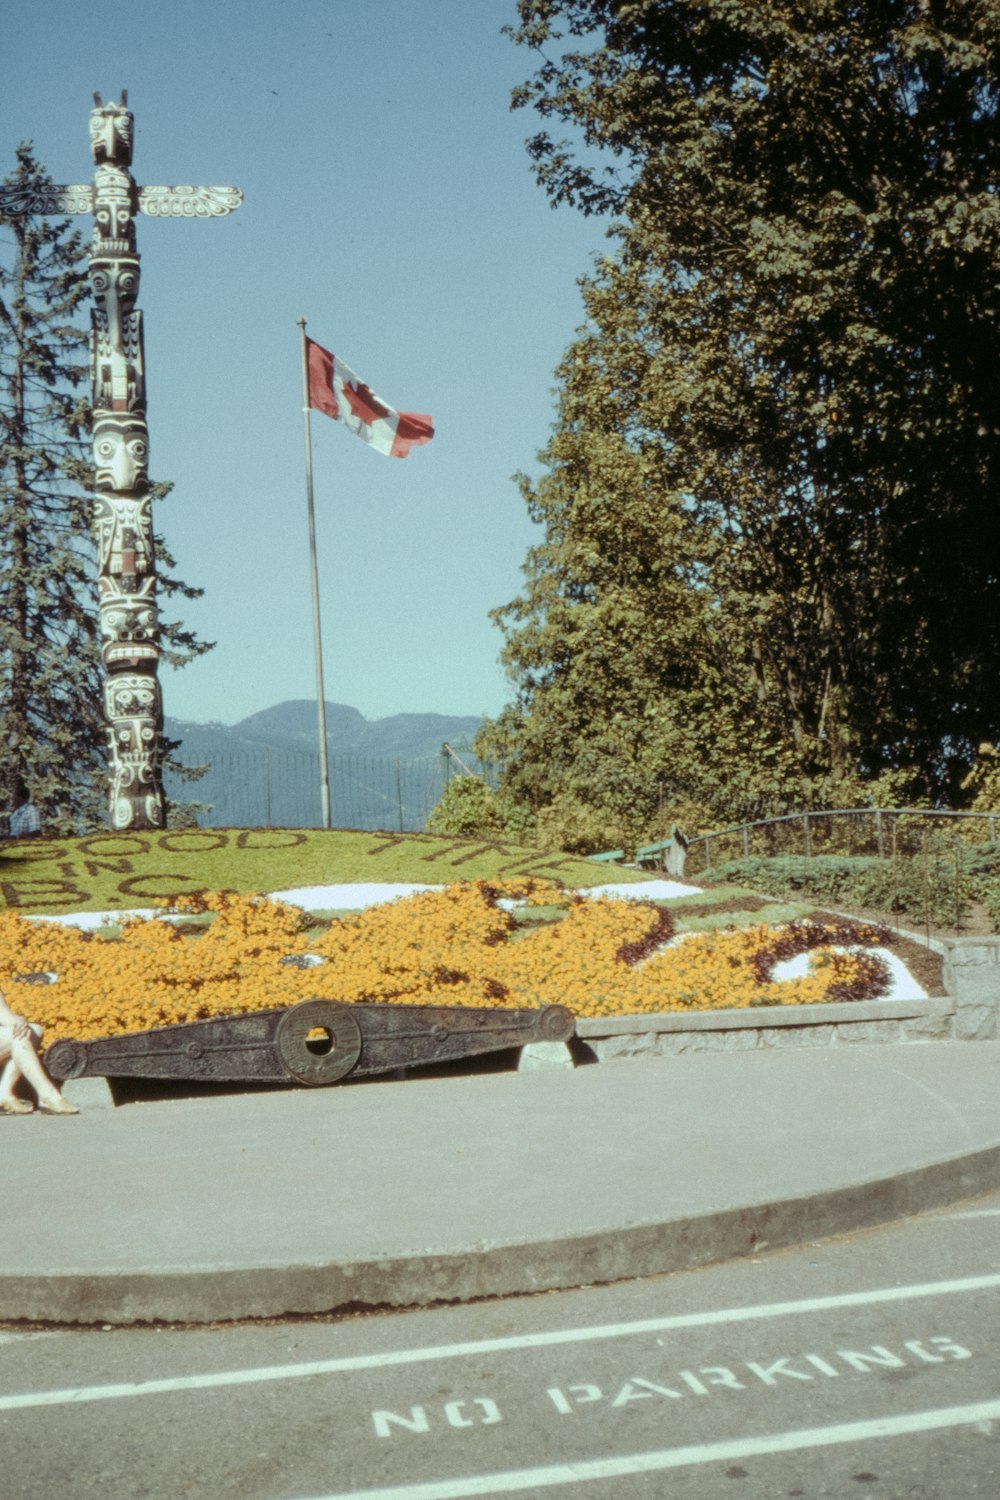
column 666, row 854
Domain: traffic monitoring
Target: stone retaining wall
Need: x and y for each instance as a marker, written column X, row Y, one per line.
column 837, row 1024
column 969, row 1011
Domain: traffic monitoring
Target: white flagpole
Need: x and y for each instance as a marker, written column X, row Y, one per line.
column 324, row 786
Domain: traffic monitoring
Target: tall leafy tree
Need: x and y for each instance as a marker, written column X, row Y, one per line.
column 52, row 729
column 794, row 337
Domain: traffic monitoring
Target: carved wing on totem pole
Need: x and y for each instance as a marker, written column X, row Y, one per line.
column 17, row 202
column 189, row 202
column 180, row 202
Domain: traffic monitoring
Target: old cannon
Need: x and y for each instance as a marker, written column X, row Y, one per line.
column 315, row 1042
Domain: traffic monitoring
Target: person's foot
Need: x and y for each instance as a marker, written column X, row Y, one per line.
column 57, row 1105
column 12, row 1106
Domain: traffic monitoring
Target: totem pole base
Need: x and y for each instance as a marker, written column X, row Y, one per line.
column 316, row 1042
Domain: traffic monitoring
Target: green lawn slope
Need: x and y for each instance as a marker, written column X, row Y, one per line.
column 119, row 871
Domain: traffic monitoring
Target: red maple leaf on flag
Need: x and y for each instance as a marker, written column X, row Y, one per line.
column 364, row 405
column 337, row 391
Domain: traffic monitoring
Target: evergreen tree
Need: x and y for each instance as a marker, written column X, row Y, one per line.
column 51, row 724
column 794, row 342
column 52, row 728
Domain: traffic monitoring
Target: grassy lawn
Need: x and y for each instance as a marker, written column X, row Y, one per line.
column 108, row 871
column 772, row 913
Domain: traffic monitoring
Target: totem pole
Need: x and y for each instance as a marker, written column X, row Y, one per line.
column 123, row 523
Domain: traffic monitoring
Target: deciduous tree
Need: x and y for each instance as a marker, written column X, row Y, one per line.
column 791, row 353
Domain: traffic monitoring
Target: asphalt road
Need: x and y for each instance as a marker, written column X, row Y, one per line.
column 868, row 1366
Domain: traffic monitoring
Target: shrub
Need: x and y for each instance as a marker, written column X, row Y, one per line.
column 577, row 827
column 467, row 808
column 934, row 888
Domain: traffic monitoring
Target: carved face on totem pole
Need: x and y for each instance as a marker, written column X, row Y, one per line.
column 114, row 282
column 132, row 708
column 121, row 452
column 132, row 699
column 115, row 202
column 111, row 130
column 129, row 624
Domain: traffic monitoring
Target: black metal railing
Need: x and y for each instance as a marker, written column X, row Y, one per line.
column 882, row 831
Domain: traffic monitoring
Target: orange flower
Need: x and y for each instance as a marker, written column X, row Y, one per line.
column 454, row 946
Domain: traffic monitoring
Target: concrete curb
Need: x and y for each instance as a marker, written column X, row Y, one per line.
column 755, row 1018
column 209, row 1294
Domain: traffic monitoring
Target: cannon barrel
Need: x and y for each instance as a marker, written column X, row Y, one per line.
column 316, row 1042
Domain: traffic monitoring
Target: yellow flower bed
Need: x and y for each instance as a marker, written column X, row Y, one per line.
column 452, row 947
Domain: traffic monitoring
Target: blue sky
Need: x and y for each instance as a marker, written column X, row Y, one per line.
column 389, row 200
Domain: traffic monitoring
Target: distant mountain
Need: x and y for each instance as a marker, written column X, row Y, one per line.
column 293, row 726
column 384, row 773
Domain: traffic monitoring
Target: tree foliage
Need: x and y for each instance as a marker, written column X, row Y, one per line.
column 52, row 729
column 467, row 807
column 771, row 540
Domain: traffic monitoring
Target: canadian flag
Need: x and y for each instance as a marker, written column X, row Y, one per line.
column 336, row 390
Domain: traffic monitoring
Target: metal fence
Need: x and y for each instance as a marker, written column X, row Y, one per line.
column 281, row 789
column 885, row 832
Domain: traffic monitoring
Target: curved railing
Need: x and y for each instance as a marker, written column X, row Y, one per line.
column 870, row 830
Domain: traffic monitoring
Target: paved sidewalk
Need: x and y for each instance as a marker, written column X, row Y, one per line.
column 409, row 1192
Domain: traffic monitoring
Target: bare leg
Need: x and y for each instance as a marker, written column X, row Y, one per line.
column 24, row 1061
column 9, row 1076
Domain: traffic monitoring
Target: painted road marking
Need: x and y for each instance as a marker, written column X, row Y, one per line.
column 704, row 1380
column 676, row 1458
column 552, row 1337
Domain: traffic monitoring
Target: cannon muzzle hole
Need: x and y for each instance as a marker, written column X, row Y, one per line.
column 320, row 1041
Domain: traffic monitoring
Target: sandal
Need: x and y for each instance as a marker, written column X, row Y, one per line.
column 57, row 1106
column 16, row 1107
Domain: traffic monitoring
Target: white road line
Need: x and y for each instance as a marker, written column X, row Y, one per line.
column 713, row 1318
column 677, row 1458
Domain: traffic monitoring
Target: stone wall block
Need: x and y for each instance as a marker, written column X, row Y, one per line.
column 971, row 954
column 673, row 1043
column 744, row 1040
column 977, row 986
column 797, row 1036
column 927, row 1028
column 975, row 1023
column 868, row 1031
column 972, row 976
column 615, row 1048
